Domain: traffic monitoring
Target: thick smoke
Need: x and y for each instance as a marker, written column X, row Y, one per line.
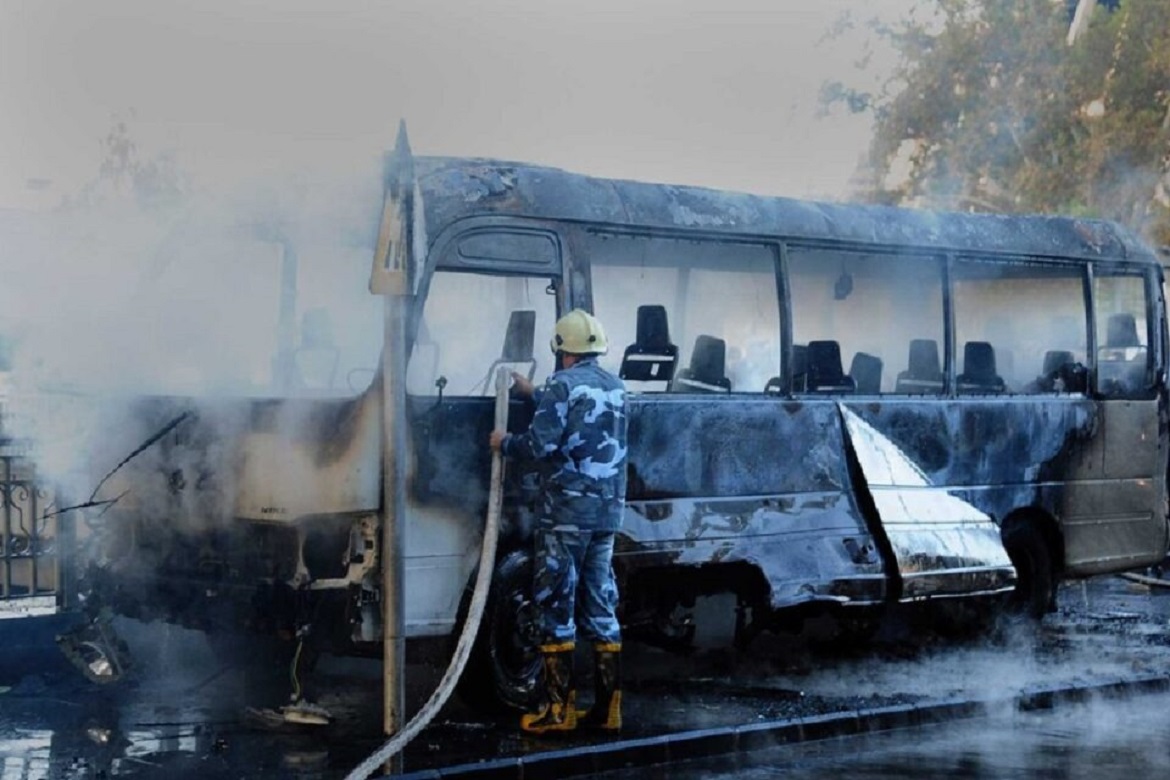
column 118, row 319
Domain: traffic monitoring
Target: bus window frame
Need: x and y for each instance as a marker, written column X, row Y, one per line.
column 1155, row 374
column 443, row 255
column 1085, row 270
column 583, row 264
column 941, row 261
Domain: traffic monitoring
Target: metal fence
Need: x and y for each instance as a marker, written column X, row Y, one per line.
column 30, row 531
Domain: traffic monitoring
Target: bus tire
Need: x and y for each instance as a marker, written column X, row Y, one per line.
column 1031, row 556
column 504, row 670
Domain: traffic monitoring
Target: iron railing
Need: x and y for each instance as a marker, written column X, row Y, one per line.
column 30, row 531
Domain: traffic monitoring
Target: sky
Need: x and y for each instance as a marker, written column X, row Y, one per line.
column 714, row 94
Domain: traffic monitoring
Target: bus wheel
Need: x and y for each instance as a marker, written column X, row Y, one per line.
column 1035, row 575
column 505, row 668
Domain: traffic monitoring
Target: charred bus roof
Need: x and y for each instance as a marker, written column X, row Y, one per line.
column 457, row 188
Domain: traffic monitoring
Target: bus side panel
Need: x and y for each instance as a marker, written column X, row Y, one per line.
column 1115, row 514
column 757, row 480
column 1048, row 453
column 997, row 452
column 940, row 544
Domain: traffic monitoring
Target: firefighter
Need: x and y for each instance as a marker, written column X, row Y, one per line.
column 579, row 429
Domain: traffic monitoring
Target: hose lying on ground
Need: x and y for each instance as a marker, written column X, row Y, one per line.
column 1145, row 579
column 483, row 581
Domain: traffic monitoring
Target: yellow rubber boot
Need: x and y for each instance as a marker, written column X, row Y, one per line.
column 606, row 712
column 559, row 712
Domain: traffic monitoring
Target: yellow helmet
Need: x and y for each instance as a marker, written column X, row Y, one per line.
column 579, row 333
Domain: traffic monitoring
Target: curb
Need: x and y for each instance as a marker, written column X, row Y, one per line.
column 708, row 743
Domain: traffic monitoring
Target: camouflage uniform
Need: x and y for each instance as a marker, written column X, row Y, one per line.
column 580, row 428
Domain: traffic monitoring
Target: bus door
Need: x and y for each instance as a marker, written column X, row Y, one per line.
column 479, row 314
column 1118, row 520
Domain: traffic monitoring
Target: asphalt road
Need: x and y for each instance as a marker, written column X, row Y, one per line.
column 1123, row 739
column 181, row 713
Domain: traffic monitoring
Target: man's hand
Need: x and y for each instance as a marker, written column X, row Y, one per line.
column 521, row 385
column 497, row 438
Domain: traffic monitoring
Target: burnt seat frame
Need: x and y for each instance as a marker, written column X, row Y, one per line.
column 707, row 372
column 652, row 357
column 923, row 374
column 825, row 373
column 979, row 372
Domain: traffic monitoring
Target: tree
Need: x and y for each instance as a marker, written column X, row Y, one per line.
column 991, row 109
column 151, row 183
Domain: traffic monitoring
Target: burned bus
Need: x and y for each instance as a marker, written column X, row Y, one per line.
column 832, row 408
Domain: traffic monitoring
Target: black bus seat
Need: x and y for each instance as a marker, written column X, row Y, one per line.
column 1061, row 373
column 707, row 372
column 979, row 375
column 517, row 350
column 1055, row 360
column 1121, row 332
column 1121, row 362
column 651, row 358
column 825, row 374
column 866, row 370
column 923, row 374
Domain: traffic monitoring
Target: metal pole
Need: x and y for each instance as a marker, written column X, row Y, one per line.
column 7, row 496
column 394, row 516
column 287, row 322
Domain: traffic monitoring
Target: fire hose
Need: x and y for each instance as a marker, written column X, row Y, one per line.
column 1144, row 579
column 483, row 581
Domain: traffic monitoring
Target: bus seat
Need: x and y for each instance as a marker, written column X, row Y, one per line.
column 519, row 339
column 775, row 385
column 1061, row 373
column 1121, row 332
column 923, row 374
column 825, row 374
column 707, row 370
column 1055, row 360
column 1121, row 362
column 317, row 357
column 651, row 358
column 979, row 374
column 866, row 370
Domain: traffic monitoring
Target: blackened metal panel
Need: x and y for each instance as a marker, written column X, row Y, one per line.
column 1092, row 467
column 1114, row 516
column 454, row 189
column 452, row 463
column 942, row 544
column 755, row 480
column 711, row 446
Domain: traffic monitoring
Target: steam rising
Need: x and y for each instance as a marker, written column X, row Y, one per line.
column 247, row 294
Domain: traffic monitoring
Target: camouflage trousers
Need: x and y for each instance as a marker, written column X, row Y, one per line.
column 573, row 585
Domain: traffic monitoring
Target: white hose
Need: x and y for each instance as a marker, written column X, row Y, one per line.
column 487, row 561
column 1154, row 582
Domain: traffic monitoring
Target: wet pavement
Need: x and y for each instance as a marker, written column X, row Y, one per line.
column 1105, row 740
column 181, row 713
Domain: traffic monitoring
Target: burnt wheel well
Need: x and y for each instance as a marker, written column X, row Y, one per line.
column 1047, row 527
column 687, row 582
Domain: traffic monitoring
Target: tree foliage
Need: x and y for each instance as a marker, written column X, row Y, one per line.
column 992, row 109
column 151, row 183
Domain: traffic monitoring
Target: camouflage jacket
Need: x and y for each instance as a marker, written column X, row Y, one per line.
column 580, row 428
